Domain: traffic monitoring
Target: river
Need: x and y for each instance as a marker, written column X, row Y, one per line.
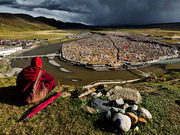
column 69, row 74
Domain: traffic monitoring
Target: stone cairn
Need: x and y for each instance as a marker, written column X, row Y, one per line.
column 121, row 107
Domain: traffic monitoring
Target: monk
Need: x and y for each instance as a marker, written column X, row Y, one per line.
column 29, row 75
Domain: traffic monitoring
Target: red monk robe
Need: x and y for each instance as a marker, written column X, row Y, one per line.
column 29, row 75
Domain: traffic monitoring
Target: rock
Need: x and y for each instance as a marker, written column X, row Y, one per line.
column 108, row 94
column 125, row 106
column 119, row 101
column 133, row 117
column 98, row 94
column 101, row 105
column 145, row 113
column 122, row 121
column 134, row 108
column 93, row 94
column 124, row 93
column 118, row 110
column 108, row 115
column 142, row 120
column 89, row 109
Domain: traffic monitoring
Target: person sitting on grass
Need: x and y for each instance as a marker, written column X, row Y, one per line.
column 27, row 77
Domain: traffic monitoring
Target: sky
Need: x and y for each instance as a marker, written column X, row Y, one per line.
column 98, row 12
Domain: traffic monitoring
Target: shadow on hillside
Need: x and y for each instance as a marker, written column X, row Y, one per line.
column 176, row 70
column 8, row 95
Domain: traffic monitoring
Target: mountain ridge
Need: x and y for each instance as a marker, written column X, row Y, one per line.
column 21, row 22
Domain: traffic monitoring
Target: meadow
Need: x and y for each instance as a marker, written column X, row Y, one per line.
column 66, row 116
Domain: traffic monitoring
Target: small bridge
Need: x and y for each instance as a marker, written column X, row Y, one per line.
column 49, row 56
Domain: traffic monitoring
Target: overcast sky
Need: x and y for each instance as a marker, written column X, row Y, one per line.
column 98, row 12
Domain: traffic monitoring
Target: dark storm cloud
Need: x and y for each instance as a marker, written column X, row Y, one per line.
column 104, row 12
column 135, row 11
column 7, row 2
column 63, row 6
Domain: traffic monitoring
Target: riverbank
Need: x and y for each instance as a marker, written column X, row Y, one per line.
column 13, row 71
column 82, row 74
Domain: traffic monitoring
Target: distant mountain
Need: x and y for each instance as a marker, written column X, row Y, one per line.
column 61, row 25
column 165, row 26
column 24, row 22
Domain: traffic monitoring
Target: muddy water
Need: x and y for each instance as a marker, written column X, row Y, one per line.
column 82, row 76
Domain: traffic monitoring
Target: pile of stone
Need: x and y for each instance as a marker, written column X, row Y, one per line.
column 126, row 115
column 122, row 108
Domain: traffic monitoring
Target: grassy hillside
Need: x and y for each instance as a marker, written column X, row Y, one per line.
column 65, row 116
column 12, row 22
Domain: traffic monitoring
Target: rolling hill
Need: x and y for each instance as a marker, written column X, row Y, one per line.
column 24, row 22
column 21, row 22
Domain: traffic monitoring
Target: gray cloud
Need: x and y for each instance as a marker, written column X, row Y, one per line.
column 7, row 2
column 103, row 12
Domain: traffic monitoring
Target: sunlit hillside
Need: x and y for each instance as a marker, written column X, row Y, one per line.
column 11, row 22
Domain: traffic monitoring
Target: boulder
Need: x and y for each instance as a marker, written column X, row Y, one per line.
column 145, row 113
column 133, row 117
column 123, row 122
column 119, row 101
column 125, row 93
column 101, row 105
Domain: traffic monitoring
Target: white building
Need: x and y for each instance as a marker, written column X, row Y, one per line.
column 9, row 51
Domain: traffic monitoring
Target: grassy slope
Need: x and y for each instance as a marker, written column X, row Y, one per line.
column 157, row 33
column 11, row 22
column 65, row 116
column 29, row 35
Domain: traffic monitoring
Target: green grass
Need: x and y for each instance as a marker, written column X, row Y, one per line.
column 13, row 23
column 161, row 103
column 65, row 116
column 29, row 35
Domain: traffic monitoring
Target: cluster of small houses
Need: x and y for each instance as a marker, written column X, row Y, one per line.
column 9, row 46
